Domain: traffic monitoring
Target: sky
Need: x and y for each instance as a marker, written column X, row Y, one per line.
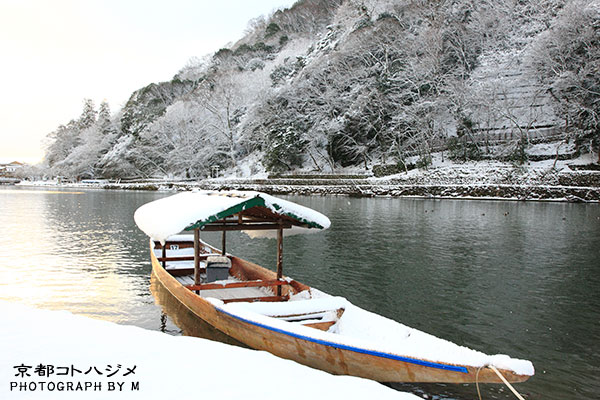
column 54, row 54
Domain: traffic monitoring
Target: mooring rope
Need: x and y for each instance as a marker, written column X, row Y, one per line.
column 512, row 389
column 477, row 382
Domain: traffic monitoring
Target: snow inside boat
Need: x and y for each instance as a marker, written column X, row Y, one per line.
column 267, row 311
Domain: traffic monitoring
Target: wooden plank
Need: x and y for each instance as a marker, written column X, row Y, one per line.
column 321, row 325
column 246, row 219
column 253, row 299
column 213, row 286
column 184, row 271
column 187, row 258
column 303, row 316
column 181, row 258
column 243, row 227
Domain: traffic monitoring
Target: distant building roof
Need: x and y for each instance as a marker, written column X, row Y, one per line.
column 13, row 164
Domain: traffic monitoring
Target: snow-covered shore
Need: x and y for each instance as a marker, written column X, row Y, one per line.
column 543, row 180
column 497, row 182
column 58, row 355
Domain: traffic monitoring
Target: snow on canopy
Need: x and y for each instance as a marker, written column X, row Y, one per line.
column 183, row 211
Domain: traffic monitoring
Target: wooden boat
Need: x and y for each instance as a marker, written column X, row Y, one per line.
column 265, row 310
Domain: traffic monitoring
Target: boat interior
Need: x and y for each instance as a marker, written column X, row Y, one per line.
column 231, row 279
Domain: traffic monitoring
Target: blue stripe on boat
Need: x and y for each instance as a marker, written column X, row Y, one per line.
column 350, row 348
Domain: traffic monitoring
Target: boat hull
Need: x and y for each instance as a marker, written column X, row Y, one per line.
column 330, row 357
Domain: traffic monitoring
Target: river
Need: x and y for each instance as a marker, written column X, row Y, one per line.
column 519, row 278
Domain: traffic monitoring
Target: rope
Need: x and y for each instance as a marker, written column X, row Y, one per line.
column 477, row 382
column 512, row 389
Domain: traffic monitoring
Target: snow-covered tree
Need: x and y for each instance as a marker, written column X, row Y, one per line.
column 569, row 62
column 88, row 115
column 61, row 142
column 329, row 84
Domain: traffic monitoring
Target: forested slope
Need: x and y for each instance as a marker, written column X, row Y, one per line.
column 332, row 84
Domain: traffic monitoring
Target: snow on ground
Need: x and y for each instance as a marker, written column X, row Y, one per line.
column 39, row 183
column 447, row 172
column 551, row 149
column 84, row 354
column 585, row 159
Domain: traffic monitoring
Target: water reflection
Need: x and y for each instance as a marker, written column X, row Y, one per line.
column 188, row 323
column 75, row 251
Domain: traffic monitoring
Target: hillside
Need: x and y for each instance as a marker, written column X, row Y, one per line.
column 357, row 85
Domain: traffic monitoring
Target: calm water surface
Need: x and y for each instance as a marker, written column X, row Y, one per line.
column 501, row 277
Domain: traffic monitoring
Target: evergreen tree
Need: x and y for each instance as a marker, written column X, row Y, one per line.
column 89, row 114
column 104, row 116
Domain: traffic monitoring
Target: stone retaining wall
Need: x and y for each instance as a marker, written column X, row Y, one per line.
column 512, row 192
column 566, row 186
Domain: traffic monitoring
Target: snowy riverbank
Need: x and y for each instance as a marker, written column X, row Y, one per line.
column 482, row 180
column 58, row 355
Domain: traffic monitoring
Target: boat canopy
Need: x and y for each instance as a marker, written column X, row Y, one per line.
column 255, row 213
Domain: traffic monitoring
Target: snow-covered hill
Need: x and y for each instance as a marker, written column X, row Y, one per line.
column 326, row 85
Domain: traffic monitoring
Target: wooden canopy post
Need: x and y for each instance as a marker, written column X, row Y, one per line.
column 197, row 256
column 224, row 241
column 279, row 257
